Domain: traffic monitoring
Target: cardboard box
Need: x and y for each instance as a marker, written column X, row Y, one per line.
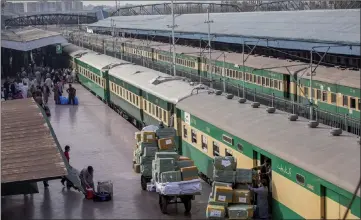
column 238, row 211
column 147, row 136
column 137, row 168
column 138, row 136
column 166, row 143
column 189, row 173
column 223, row 194
column 215, row 183
column 242, row 196
column 211, row 201
column 215, row 212
column 181, row 158
column 184, row 163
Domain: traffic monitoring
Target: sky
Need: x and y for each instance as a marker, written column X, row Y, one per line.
column 112, row 3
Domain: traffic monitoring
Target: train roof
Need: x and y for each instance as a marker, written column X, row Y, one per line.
column 99, row 60
column 72, row 49
column 166, row 87
column 335, row 159
column 305, row 26
column 333, row 75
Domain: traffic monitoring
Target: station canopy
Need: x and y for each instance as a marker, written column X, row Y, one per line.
column 29, row 38
column 29, row 152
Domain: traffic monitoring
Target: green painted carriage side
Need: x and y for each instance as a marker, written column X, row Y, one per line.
column 312, row 182
column 149, row 120
column 88, row 67
column 205, row 164
column 125, row 85
column 345, row 90
column 98, row 90
column 156, row 101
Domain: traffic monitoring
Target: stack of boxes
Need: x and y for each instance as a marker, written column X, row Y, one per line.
column 145, row 152
column 230, row 195
column 168, row 166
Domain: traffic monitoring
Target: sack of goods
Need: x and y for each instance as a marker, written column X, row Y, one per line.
column 224, row 169
column 215, row 212
column 240, row 211
column 166, row 144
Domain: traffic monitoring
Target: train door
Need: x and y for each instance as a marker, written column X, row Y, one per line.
column 331, row 204
column 286, row 86
column 263, row 159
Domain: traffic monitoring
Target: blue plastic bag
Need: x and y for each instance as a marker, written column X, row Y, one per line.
column 63, row 100
column 76, row 100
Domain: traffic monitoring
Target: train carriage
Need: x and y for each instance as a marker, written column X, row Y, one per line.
column 313, row 172
column 147, row 95
column 91, row 72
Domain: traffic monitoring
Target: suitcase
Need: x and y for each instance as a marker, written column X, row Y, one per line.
column 105, row 187
column 102, row 197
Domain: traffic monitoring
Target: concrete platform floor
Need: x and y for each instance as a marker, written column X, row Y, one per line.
column 101, row 138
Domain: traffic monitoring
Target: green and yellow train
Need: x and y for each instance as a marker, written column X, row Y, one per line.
column 334, row 89
column 314, row 173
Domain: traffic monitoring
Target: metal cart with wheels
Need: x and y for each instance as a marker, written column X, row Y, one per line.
column 165, row 200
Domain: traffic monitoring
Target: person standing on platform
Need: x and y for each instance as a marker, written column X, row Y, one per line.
column 72, row 93
column 57, row 93
column 46, row 94
column 66, row 154
column 262, row 200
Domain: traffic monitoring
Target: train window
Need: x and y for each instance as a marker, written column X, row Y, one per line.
column 240, row 147
column 227, row 139
column 127, row 95
column 271, row 83
column 160, row 114
column 194, row 136
column 164, row 115
column 352, row 102
column 300, row 179
column 145, row 105
column 150, row 107
column 305, row 91
column 228, row 153
column 275, row 84
column 318, row 94
column 333, row 97
column 247, row 77
column 185, row 132
column 280, row 85
column 324, row 96
column 345, row 100
column 263, row 81
column 267, row 81
column 215, row 149
column 130, row 97
column 156, row 111
column 254, row 78
column 204, row 143
column 258, row 79
column 359, row 104
column 137, row 101
column 120, row 91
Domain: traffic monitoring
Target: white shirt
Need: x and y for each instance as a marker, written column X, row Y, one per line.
column 48, row 82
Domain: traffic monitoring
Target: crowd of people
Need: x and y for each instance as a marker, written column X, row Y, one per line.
column 39, row 83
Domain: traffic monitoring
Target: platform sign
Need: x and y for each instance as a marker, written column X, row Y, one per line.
column 59, row 49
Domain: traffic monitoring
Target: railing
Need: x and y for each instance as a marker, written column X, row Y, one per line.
column 344, row 122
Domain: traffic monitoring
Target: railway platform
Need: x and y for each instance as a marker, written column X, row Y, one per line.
column 99, row 137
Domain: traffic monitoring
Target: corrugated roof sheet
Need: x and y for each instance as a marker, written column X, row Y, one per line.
column 335, row 159
column 28, row 150
column 315, row 25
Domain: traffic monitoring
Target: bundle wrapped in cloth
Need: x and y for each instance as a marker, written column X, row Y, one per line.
column 179, row 188
column 170, row 176
column 244, row 175
column 226, row 176
column 225, row 163
column 238, row 211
